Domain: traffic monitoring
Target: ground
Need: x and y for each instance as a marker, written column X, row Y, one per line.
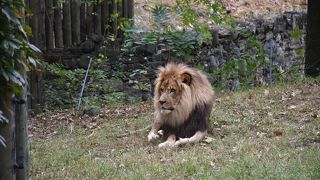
column 241, row 9
column 267, row 132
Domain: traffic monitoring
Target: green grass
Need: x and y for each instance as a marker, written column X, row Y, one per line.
column 256, row 135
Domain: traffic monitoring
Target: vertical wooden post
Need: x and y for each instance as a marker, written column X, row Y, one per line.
column 89, row 20
column 21, row 129
column 103, row 17
column 49, row 24
column 7, row 157
column 22, row 148
column 83, row 22
column 38, row 30
column 97, row 19
column 75, row 22
column 125, row 8
column 130, row 9
column 115, row 19
column 34, row 21
column 57, row 24
column 67, row 36
column 312, row 62
column 27, row 19
column 42, row 26
column 108, row 15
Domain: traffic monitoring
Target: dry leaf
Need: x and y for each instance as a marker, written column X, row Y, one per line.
column 292, row 107
column 277, row 133
column 208, row 140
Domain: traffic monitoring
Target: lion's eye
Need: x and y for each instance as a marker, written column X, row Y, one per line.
column 171, row 91
column 161, row 90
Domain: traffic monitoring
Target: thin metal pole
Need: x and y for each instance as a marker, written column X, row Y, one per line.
column 270, row 66
column 84, row 83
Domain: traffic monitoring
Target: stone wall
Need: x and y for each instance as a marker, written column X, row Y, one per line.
column 276, row 32
column 282, row 34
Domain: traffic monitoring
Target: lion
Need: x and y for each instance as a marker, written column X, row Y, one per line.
column 183, row 101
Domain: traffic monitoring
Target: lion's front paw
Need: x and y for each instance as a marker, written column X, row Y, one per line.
column 182, row 141
column 166, row 145
column 152, row 137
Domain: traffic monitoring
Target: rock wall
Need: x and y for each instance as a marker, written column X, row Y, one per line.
column 281, row 37
column 284, row 35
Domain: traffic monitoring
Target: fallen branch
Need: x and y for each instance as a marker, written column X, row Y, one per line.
column 133, row 132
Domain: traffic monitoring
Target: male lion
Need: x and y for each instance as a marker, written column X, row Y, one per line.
column 183, row 102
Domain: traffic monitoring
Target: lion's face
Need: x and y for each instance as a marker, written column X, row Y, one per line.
column 170, row 94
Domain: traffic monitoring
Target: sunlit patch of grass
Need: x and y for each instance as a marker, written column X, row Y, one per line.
column 264, row 133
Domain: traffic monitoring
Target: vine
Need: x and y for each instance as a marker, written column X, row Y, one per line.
column 17, row 54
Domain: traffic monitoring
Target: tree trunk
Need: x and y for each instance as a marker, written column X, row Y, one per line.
column 83, row 22
column 22, row 150
column 67, row 36
column 312, row 63
column 97, row 19
column 49, row 24
column 75, row 22
column 58, row 24
column 7, row 154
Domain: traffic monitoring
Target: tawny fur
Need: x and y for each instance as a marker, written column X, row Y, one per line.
column 199, row 91
column 196, row 93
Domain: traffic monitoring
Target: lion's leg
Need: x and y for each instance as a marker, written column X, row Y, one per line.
column 169, row 142
column 198, row 136
column 153, row 134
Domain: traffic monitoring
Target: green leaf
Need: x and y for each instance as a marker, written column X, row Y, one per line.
column 2, row 118
column 32, row 61
column 9, row 14
column 300, row 51
column 16, row 78
column 3, row 141
column 34, row 48
column 22, row 30
column 5, row 75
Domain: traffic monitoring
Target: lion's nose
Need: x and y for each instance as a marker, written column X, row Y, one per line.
column 162, row 102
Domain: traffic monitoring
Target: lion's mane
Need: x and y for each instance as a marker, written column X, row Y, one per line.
column 195, row 105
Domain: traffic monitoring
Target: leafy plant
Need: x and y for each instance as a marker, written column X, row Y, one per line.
column 296, row 33
column 167, row 34
column 17, row 54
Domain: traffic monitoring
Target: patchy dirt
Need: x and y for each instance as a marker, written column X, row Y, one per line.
column 303, row 100
column 45, row 126
column 241, row 9
column 247, row 8
column 259, row 131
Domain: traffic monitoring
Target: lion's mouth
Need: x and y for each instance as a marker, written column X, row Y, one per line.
column 166, row 109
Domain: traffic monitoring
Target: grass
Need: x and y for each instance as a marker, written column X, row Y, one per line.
column 264, row 133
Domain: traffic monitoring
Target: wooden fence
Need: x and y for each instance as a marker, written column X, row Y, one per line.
column 62, row 26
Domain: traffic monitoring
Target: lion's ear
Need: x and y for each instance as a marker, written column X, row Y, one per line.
column 186, row 78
